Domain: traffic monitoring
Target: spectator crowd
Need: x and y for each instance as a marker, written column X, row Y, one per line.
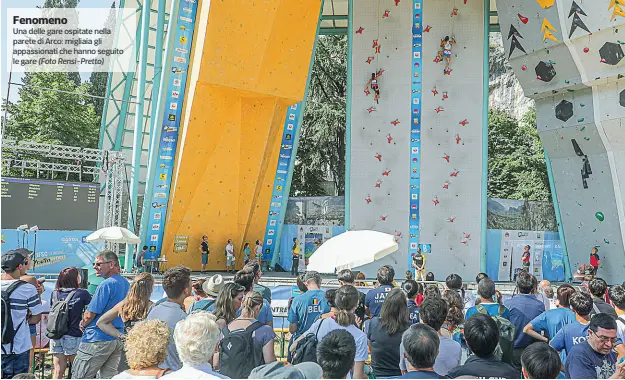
column 210, row 328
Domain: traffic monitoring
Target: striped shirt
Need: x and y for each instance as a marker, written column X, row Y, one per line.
column 23, row 299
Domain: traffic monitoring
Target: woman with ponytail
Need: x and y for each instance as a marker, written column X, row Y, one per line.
column 346, row 302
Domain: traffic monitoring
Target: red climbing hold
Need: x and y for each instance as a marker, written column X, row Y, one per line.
column 435, row 200
column 370, row 59
column 435, row 91
column 389, row 138
column 360, row 30
column 466, row 235
column 395, row 122
column 386, row 173
column 523, row 19
column 437, row 60
column 524, row 68
column 379, row 73
column 367, row 92
column 451, row 220
column 458, row 139
column 398, row 234
column 386, row 13
column 427, row 29
column 464, row 122
column 397, row 2
column 454, row 12
column 447, row 72
column 445, row 95
column 378, row 184
column 586, row 50
column 371, row 109
column 377, row 49
column 379, row 157
column 454, row 173
column 375, row 44
column 464, row 242
column 368, row 199
column 383, row 217
column 439, row 109
column 446, row 157
column 465, row 1
column 446, row 185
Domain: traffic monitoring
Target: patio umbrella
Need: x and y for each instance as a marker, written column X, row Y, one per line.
column 351, row 249
column 119, row 235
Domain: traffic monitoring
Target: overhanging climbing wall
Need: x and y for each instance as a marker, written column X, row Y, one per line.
column 568, row 56
column 400, row 181
column 451, row 137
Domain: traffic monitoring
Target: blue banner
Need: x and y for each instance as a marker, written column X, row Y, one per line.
column 171, row 124
column 279, row 195
column 415, row 131
column 54, row 250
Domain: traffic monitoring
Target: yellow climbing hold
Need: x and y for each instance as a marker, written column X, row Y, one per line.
column 549, row 3
column 547, row 28
column 618, row 11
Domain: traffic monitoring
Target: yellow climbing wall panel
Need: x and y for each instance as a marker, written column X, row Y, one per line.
column 252, row 66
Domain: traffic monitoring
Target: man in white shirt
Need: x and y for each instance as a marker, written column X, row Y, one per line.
column 545, row 294
column 229, row 256
column 617, row 297
column 196, row 338
column 23, row 300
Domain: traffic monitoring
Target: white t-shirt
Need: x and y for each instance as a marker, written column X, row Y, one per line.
column 259, row 250
column 24, row 298
column 229, row 249
column 329, row 324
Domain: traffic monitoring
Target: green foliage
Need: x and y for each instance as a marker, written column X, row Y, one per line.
column 66, row 118
column 321, row 151
column 516, row 163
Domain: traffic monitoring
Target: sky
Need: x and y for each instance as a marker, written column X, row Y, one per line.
column 16, row 77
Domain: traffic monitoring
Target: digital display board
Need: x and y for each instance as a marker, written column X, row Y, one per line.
column 50, row 205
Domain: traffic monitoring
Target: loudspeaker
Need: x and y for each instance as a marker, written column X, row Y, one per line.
column 279, row 268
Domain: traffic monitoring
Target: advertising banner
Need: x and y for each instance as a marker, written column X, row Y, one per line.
column 171, row 124
column 415, row 132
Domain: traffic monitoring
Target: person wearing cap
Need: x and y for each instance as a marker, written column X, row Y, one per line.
column 212, row 286
column 23, row 301
column 281, row 370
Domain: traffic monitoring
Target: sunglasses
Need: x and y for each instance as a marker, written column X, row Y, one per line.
column 97, row 265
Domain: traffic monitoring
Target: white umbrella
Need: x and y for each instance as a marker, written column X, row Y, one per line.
column 113, row 235
column 351, row 249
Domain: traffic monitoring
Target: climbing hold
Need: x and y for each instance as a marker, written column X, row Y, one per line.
column 447, row 72
column 523, row 19
column 389, row 138
column 379, row 73
column 567, row 81
column 439, row 109
column 582, row 128
column 458, row 139
column 580, row 120
column 437, row 59
column 446, row 157
column 451, row 219
column 586, row 138
column 397, row 2
column 454, row 12
column 371, row 109
column 611, row 53
column 454, row 173
column 618, row 10
column 577, row 22
column 621, row 100
column 582, row 105
column 569, row 90
column 434, row 91
column 446, row 185
column 383, row 217
column 545, row 71
column 427, row 29
column 368, row 199
column 386, row 173
column 579, row 204
column 386, row 13
column 360, row 30
column 378, row 184
column 586, row 50
column 379, row 157
column 435, row 200
column 395, row 122
column 564, row 110
column 375, row 44
column 467, row 236
column 377, row 49
column 606, row 241
column 547, row 29
column 546, row 3
column 370, row 59
column 599, row 215
column 523, row 67
column 367, row 92
column 445, row 95
column 464, row 122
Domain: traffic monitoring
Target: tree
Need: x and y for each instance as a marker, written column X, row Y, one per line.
column 321, row 152
column 516, row 163
column 99, row 79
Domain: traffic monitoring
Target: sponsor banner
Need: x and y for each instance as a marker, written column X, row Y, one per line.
column 415, row 128
column 171, row 124
column 279, row 195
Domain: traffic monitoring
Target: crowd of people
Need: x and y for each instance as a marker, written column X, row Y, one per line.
column 212, row 328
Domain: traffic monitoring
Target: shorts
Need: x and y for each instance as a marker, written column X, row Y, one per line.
column 67, row 345
column 204, row 258
column 229, row 260
column 447, row 53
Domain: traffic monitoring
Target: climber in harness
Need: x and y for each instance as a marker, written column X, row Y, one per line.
column 373, row 83
column 447, row 45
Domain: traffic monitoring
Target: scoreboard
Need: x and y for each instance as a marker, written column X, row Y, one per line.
column 50, row 205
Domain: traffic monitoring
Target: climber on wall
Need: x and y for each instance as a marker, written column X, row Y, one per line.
column 447, row 45
column 373, row 83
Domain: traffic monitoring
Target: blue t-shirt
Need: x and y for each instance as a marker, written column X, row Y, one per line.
column 569, row 336
column 491, row 308
column 375, row 298
column 413, row 309
column 108, row 294
column 585, row 363
column 306, row 308
column 523, row 308
column 264, row 315
column 419, row 375
column 199, row 305
column 552, row 321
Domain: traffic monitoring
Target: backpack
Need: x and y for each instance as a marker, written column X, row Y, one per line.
column 58, row 319
column 306, row 350
column 8, row 328
column 506, row 334
column 239, row 354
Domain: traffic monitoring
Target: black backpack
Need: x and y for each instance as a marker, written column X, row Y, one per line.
column 306, row 350
column 239, row 354
column 8, row 328
column 58, row 319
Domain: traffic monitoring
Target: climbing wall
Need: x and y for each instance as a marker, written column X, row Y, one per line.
column 568, row 56
column 416, row 171
column 451, row 137
column 380, row 133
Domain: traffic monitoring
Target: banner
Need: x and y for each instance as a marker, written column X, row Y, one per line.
column 54, row 250
column 415, row 132
column 279, row 195
column 171, row 123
